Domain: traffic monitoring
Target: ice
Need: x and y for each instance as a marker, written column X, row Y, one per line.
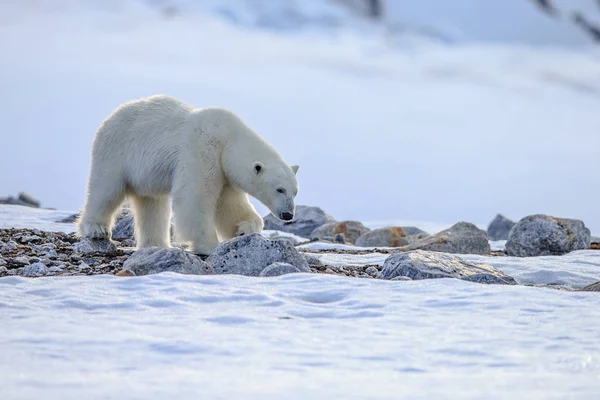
column 297, row 336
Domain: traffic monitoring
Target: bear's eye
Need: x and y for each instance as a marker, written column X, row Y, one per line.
column 281, row 190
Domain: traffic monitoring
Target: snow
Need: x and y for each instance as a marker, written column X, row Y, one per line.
column 381, row 131
column 294, row 337
column 14, row 216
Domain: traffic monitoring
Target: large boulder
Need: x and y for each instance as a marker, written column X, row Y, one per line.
column 251, row 254
column 393, row 236
column 419, row 264
column 351, row 230
column 306, row 220
column 460, row 238
column 543, row 235
column 154, row 260
column 499, row 228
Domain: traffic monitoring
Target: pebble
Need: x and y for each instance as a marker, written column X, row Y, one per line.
column 372, row 271
column 34, row 270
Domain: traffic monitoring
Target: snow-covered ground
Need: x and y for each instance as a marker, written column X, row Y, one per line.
column 381, row 131
column 294, row 337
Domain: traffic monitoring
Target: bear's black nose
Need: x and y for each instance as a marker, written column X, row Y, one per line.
column 287, row 216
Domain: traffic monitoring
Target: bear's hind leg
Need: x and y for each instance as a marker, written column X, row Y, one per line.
column 95, row 222
column 152, row 221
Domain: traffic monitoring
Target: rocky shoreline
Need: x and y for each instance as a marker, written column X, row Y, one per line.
column 413, row 253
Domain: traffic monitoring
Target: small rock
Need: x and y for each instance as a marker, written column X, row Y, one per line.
column 34, row 270
column 419, row 264
column 401, row 278
column 351, row 230
column 123, row 227
column 2, row 261
column 8, row 247
column 306, row 220
column 22, row 260
column 70, row 219
column 46, row 249
column 125, row 272
column 250, row 254
column 339, row 238
column 154, row 260
column 128, row 243
column 542, row 235
column 393, row 236
column 312, row 260
column 83, row 267
column 372, row 271
column 460, row 238
column 594, row 287
column 278, row 268
column 86, row 245
column 499, row 228
column 55, row 269
column 3, row 270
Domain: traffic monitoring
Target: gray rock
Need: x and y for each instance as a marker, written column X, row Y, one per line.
column 594, row 287
column 2, row 261
column 460, row 238
column 55, row 269
column 543, row 235
column 414, row 231
column 17, row 201
column 372, row 271
column 3, row 270
column 306, row 220
column 21, row 260
column 312, row 260
column 70, row 219
column 34, row 270
column 339, row 238
column 8, row 247
column 351, row 230
column 29, row 200
column 401, row 278
column 419, row 264
column 278, row 268
column 46, row 249
column 123, row 227
column 499, row 228
column 391, row 236
column 154, row 260
column 250, row 254
column 86, row 246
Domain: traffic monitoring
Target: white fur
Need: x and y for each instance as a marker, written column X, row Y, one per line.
column 161, row 153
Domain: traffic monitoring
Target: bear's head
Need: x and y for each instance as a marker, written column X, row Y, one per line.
column 275, row 185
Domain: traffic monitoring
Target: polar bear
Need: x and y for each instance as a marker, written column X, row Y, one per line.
column 162, row 153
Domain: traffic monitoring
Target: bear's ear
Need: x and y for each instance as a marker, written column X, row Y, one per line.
column 258, row 167
column 295, row 168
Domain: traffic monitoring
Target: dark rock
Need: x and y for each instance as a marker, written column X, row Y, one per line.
column 154, row 260
column 419, row 264
column 250, row 254
column 543, row 235
column 35, row 269
column 460, row 238
column 306, row 220
column 339, row 238
column 499, row 228
column 70, row 219
column 124, row 226
column 278, row 268
column 29, row 200
column 594, row 287
column 393, row 236
column 351, row 230
column 86, row 245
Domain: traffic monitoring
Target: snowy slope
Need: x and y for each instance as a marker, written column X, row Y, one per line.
column 432, row 133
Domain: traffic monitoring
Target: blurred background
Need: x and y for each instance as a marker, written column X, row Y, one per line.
column 397, row 110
